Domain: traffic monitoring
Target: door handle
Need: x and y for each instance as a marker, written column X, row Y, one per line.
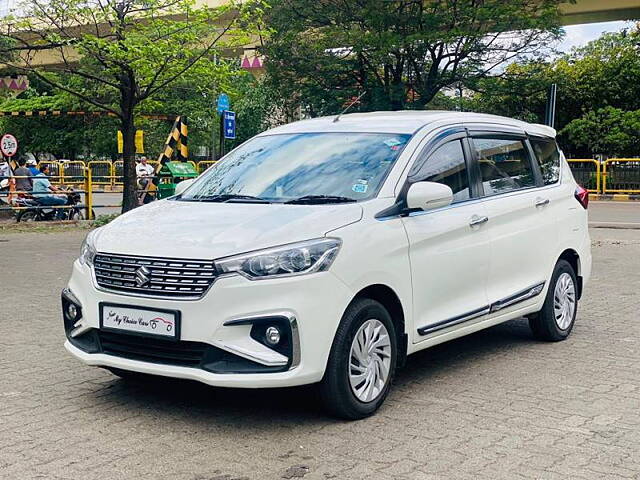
column 476, row 220
column 541, row 202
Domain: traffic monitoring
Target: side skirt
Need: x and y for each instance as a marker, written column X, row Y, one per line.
column 518, row 297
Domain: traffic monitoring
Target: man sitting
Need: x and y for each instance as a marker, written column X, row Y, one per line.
column 32, row 165
column 42, row 189
column 24, row 182
column 144, row 172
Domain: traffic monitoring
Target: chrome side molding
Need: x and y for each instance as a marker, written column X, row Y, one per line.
column 520, row 296
column 454, row 321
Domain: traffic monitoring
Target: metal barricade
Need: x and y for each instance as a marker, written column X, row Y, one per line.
column 204, row 164
column 73, row 172
column 621, row 175
column 586, row 171
column 101, row 172
column 118, row 172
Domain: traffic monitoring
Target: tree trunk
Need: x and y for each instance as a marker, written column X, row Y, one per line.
column 129, row 196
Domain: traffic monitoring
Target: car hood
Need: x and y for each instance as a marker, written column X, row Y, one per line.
column 178, row 229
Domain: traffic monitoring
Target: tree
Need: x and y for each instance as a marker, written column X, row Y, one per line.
column 118, row 55
column 402, row 53
column 610, row 131
column 604, row 73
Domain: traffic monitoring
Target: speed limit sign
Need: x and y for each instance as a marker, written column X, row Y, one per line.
column 8, row 145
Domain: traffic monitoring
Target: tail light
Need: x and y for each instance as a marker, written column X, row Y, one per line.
column 582, row 195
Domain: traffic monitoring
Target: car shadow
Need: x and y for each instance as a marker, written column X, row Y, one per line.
column 456, row 354
column 295, row 406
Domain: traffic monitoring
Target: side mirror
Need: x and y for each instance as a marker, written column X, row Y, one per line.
column 183, row 185
column 429, row 195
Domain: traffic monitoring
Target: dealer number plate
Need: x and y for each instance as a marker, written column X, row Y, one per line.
column 141, row 321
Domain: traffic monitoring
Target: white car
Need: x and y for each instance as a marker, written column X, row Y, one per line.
column 327, row 250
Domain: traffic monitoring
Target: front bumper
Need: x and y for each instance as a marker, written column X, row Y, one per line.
column 220, row 325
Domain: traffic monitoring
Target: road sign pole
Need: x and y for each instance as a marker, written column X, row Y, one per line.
column 223, row 104
column 213, row 141
column 222, row 135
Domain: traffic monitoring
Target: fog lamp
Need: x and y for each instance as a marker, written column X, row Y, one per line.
column 72, row 311
column 272, row 335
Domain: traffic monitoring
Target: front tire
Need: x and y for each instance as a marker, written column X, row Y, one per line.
column 362, row 361
column 556, row 319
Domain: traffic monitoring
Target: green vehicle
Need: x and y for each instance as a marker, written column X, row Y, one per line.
column 173, row 173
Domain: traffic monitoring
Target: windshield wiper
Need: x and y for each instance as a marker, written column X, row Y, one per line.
column 229, row 197
column 310, row 199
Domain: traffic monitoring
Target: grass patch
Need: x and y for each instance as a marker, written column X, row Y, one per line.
column 104, row 219
column 43, row 227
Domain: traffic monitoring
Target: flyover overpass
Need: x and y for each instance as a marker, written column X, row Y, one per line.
column 593, row 11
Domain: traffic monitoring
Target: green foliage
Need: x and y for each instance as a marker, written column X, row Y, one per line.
column 92, row 137
column 256, row 106
column 401, row 53
column 608, row 130
column 120, row 56
column 62, row 136
column 599, row 82
column 102, row 220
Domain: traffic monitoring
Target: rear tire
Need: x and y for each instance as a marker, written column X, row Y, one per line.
column 362, row 361
column 556, row 319
column 27, row 216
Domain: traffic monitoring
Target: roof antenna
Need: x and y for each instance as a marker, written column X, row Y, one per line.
column 348, row 107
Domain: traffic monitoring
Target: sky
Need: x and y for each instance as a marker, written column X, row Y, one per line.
column 578, row 35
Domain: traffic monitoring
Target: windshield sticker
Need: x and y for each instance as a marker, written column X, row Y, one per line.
column 361, row 186
column 392, row 142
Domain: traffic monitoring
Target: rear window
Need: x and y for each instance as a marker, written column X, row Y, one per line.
column 504, row 165
column 548, row 158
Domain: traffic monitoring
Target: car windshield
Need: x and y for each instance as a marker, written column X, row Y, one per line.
column 301, row 168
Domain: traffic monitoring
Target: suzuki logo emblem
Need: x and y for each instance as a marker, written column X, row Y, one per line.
column 143, row 276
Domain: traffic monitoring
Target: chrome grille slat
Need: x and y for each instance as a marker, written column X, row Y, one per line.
column 154, row 282
column 169, row 277
column 158, row 273
column 173, row 266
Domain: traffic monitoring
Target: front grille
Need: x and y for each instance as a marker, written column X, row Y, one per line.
column 147, row 349
column 167, row 277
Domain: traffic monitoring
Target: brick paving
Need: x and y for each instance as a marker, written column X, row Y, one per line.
column 493, row 405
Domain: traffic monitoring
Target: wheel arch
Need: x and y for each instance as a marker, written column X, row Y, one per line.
column 391, row 301
column 571, row 256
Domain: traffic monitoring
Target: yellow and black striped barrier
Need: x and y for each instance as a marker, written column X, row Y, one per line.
column 77, row 113
column 176, row 142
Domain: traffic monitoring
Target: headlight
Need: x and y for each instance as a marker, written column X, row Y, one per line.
column 88, row 250
column 287, row 260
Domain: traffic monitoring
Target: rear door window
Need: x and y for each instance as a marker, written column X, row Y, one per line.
column 548, row 158
column 504, row 165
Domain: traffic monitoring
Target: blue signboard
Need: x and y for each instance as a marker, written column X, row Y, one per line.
column 223, row 102
column 229, row 124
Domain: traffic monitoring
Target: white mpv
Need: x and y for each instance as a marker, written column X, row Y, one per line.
column 327, row 250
